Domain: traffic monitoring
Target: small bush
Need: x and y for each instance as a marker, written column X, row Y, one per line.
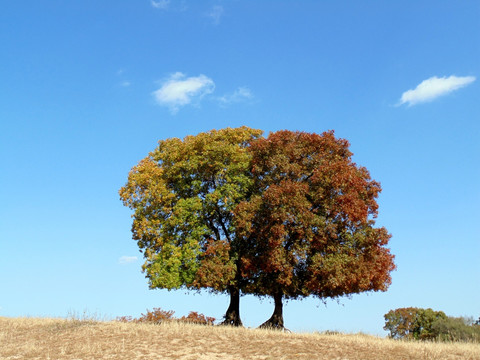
column 196, row 318
column 156, row 316
column 159, row 316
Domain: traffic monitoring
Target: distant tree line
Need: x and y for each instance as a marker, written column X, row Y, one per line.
column 287, row 216
column 426, row 324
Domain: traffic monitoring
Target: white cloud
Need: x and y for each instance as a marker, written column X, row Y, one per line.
column 160, row 4
column 434, row 87
column 178, row 90
column 125, row 83
column 241, row 94
column 216, row 13
column 123, row 260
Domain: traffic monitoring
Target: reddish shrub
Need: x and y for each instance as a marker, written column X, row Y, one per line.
column 158, row 316
column 196, row 318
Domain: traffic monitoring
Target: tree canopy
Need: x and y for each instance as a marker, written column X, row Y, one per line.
column 183, row 195
column 288, row 216
column 426, row 324
column 309, row 227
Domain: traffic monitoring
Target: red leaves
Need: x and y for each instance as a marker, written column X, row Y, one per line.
column 217, row 269
column 159, row 316
column 195, row 318
column 309, row 226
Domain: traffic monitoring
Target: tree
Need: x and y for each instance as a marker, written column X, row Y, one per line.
column 426, row 324
column 183, row 195
column 455, row 329
column 401, row 323
column 415, row 323
column 309, row 227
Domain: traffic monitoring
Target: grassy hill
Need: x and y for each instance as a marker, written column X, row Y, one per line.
column 30, row 338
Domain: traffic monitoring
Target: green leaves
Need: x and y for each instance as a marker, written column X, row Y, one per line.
column 184, row 193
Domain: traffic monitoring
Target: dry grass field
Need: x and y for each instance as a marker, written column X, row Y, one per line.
column 29, row 338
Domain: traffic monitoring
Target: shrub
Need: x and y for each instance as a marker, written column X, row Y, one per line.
column 196, row 318
column 158, row 316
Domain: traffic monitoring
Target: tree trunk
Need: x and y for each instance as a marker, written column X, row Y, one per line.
column 276, row 320
column 232, row 316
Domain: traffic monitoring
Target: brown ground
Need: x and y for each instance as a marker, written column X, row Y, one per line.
column 28, row 338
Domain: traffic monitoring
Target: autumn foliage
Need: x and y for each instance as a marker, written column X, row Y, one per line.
column 288, row 216
column 309, row 227
column 184, row 194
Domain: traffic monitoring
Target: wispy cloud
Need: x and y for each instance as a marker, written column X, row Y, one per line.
column 216, row 13
column 179, row 90
column 241, row 94
column 433, row 88
column 123, row 260
column 160, row 4
column 124, row 83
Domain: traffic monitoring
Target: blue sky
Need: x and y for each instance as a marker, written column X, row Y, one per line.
column 89, row 87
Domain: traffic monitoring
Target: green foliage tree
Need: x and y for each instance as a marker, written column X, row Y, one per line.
column 426, row 324
column 309, row 227
column 413, row 323
column 184, row 194
column 456, row 329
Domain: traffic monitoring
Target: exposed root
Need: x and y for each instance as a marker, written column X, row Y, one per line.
column 232, row 319
column 274, row 323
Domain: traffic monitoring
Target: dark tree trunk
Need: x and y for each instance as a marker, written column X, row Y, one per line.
column 232, row 316
column 276, row 320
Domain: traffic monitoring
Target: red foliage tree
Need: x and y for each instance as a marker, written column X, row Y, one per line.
column 309, row 227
